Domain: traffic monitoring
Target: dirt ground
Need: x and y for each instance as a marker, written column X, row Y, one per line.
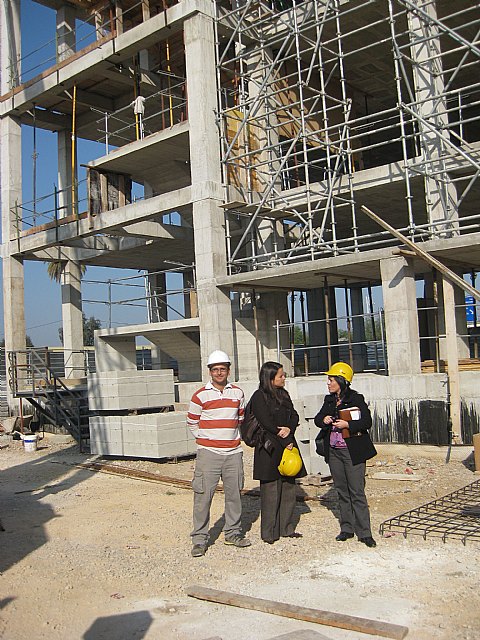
column 97, row 556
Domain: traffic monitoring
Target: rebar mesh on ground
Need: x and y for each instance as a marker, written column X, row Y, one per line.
column 456, row 515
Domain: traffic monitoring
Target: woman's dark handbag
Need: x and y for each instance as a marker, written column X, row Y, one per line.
column 250, row 429
column 252, row 432
column 360, row 447
column 320, row 445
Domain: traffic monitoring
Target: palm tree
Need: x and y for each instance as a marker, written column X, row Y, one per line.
column 56, row 267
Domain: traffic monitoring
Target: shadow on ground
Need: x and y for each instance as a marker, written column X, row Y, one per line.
column 23, row 512
column 251, row 513
column 124, row 626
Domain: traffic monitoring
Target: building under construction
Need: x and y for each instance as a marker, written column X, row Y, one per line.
column 246, row 146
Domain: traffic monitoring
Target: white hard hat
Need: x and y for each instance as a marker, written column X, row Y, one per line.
column 217, row 357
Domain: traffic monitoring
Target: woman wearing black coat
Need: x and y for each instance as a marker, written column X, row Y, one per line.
column 273, row 408
column 347, row 455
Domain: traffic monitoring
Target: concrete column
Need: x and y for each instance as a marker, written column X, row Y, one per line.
column 157, row 303
column 440, row 193
column 118, row 17
column 401, row 319
column 10, row 45
column 190, row 297
column 452, row 358
column 72, row 320
column 160, row 360
column 428, row 325
column 463, row 349
column 276, row 308
column 65, row 179
column 13, row 272
column 318, row 330
column 360, row 361
column 11, row 184
column 208, row 217
column 148, row 191
column 66, row 35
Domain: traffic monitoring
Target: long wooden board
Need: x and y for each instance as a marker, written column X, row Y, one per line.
column 329, row 618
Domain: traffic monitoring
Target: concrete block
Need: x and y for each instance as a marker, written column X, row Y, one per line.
column 311, row 405
column 303, row 431
column 106, row 448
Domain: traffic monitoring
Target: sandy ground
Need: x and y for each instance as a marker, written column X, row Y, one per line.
column 96, row 556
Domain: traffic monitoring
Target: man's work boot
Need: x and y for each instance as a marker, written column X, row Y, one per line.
column 198, row 550
column 238, row 541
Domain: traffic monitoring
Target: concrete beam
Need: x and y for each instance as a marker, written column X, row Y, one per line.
column 148, row 230
column 103, row 222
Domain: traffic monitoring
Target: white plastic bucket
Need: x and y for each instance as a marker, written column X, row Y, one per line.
column 30, row 443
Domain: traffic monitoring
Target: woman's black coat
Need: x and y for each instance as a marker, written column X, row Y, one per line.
column 271, row 415
column 329, row 408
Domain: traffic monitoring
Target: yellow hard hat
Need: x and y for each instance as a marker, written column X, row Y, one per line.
column 341, row 369
column 291, row 462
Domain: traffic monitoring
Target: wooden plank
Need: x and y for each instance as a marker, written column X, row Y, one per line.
column 329, row 618
column 382, row 475
column 448, row 273
column 103, row 192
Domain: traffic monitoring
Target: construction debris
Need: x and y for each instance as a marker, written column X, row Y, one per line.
column 382, row 475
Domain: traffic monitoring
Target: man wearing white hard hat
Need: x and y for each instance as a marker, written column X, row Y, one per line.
column 214, row 415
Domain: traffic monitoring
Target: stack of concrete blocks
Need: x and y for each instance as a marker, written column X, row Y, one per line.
column 151, row 434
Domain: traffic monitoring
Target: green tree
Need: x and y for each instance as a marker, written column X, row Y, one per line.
column 90, row 325
column 28, row 341
column 56, row 267
column 298, row 334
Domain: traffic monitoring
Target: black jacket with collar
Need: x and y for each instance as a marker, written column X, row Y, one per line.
column 272, row 415
column 329, row 408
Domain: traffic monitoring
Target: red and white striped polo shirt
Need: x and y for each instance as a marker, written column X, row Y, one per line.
column 214, row 416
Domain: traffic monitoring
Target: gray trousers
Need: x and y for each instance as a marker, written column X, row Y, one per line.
column 209, row 468
column 349, row 481
column 277, row 504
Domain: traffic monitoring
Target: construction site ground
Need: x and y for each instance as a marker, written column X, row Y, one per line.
column 88, row 554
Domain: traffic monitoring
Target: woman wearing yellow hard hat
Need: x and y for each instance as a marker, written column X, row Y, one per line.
column 344, row 421
column 277, row 461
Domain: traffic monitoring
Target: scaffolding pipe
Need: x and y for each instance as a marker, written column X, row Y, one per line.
column 74, row 145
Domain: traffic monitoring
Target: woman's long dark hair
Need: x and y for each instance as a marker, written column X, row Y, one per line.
column 267, row 374
column 343, row 384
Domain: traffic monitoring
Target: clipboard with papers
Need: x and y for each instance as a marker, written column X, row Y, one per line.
column 353, row 413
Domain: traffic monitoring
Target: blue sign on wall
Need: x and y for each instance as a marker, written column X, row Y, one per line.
column 470, row 309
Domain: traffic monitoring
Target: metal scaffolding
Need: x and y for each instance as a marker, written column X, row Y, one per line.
column 313, row 94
